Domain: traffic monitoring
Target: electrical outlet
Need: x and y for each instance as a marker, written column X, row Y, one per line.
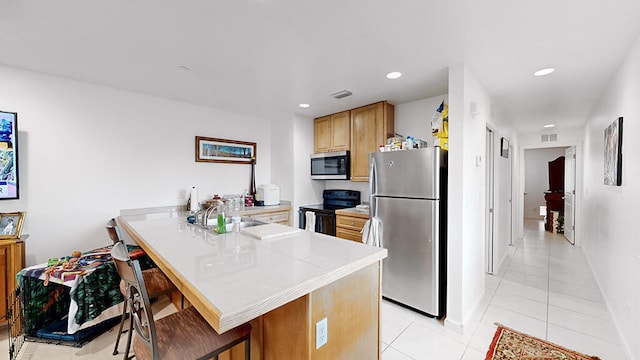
column 321, row 333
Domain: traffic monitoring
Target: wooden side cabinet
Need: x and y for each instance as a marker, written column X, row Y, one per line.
column 12, row 255
column 349, row 224
column 371, row 125
column 332, row 132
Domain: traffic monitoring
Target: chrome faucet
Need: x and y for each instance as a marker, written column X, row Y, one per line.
column 196, row 216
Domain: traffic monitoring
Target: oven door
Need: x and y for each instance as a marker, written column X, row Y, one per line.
column 325, row 222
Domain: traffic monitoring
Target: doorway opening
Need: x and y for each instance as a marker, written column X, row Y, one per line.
column 543, row 197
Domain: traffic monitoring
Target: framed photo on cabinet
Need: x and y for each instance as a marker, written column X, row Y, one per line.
column 11, row 225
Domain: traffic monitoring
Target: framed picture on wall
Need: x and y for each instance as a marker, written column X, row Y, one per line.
column 504, row 147
column 225, row 151
column 613, row 153
column 9, row 156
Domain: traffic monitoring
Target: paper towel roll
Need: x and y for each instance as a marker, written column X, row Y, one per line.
column 193, row 204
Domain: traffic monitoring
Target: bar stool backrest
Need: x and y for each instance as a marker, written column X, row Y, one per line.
column 113, row 231
column 139, row 305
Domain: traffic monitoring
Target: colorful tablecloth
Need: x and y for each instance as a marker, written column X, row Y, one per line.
column 81, row 293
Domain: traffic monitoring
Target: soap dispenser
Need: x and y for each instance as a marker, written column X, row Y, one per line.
column 222, row 220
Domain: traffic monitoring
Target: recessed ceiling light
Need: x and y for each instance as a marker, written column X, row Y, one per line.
column 304, row 106
column 394, row 75
column 543, row 72
column 549, row 125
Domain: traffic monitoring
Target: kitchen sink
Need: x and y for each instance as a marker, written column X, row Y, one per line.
column 245, row 222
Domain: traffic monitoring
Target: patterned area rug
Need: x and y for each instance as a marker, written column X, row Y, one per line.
column 509, row 344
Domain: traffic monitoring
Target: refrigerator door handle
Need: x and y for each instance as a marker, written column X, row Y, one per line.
column 372, row 175
column 373, row 209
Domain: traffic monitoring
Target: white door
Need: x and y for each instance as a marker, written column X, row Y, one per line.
column 569, row 193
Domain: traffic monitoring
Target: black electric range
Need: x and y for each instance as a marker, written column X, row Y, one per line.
column 332, row 200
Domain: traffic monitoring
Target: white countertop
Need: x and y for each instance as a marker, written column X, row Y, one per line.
column 242, row 277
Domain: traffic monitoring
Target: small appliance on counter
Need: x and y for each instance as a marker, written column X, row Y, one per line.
column 267, row 195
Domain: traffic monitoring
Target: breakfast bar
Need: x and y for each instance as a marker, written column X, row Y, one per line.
column 283, row 286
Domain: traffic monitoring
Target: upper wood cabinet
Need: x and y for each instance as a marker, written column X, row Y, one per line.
column 371, row 125
column 332, row 132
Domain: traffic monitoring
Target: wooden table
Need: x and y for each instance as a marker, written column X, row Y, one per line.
column 282, row 286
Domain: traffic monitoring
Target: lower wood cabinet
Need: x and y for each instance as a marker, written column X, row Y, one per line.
column 279, row 216
column 349, row 224
column 12, row 254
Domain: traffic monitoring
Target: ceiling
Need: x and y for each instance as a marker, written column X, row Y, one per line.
column 264, row 57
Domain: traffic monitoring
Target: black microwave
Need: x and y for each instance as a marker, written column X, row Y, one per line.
column 331, row 166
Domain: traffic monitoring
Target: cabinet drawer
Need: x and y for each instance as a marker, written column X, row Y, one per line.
column 275, row 217
column 349, row 234
column 348, row 222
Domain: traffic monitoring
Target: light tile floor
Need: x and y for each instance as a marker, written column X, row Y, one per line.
column 545, row 288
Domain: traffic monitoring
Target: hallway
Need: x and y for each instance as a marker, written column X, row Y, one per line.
column 544, row 288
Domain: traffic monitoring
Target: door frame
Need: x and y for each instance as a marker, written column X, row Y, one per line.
column 519, row 199
column 570, row 162
column 490, row 223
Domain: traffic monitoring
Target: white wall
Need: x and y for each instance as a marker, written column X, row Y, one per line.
column 465, row 260
column 86, row 152
column 503, row 170
column 306, row 191
column 414, row 118
column 610, row 238
column 536, row 163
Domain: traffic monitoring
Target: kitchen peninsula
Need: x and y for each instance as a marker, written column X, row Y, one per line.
column 283, row 286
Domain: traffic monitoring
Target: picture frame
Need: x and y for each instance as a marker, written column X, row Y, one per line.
column 504, row 147
column 9, row 181
column 11, row 225
column 613, row 153
column 225, row 151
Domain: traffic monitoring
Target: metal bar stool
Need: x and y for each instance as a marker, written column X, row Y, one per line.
column 156, row 283
column 182, row 335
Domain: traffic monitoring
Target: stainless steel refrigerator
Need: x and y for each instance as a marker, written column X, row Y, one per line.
column 408, row 198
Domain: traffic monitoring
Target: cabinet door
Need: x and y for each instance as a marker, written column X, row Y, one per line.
column 370, row 127
column 280, row 217
column 350, row 222
column 322, row 134
column 4, row 273
column 341, row 131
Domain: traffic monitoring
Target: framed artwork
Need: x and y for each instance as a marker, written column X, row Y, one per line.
column 9, row 156
column 11, row 225
column 613, row 153
column 225, row 151
column 504, row 147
